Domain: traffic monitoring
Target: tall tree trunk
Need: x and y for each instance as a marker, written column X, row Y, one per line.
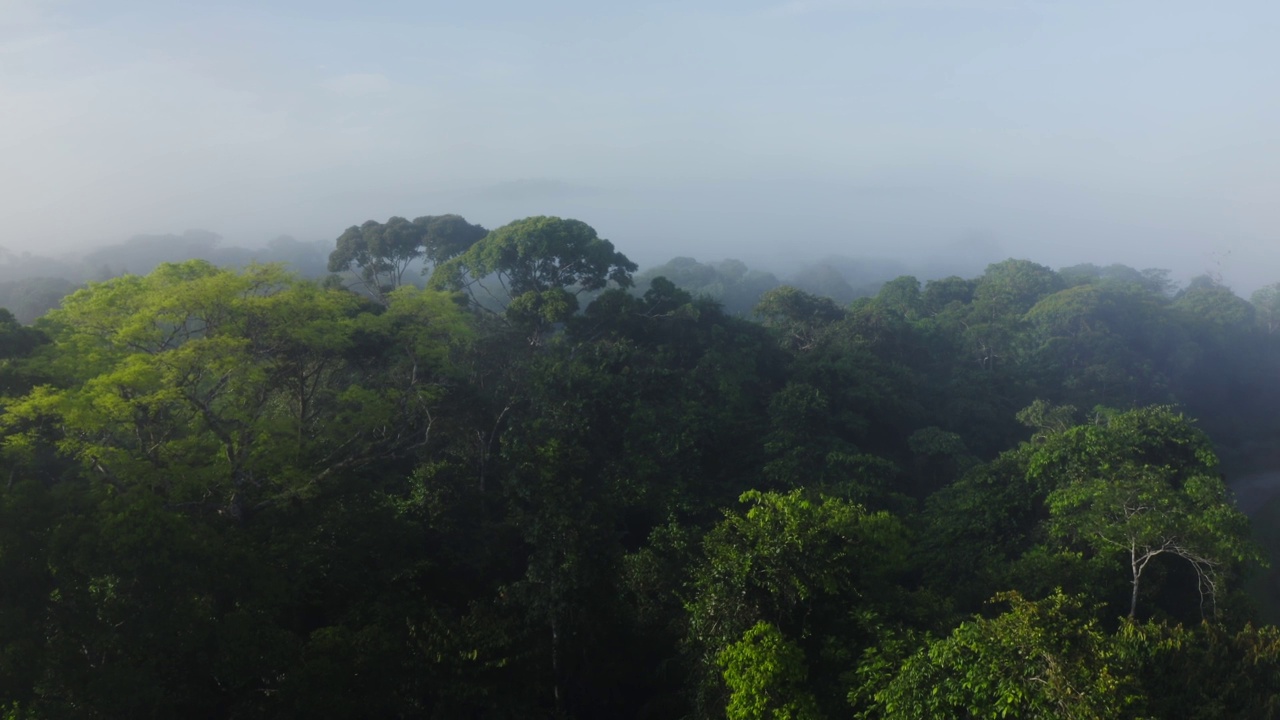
column 1137, row 575
column 555, row 664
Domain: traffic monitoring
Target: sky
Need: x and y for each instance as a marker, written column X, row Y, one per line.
column 776, row 131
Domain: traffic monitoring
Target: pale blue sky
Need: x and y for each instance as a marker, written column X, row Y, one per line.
column 1066, row 131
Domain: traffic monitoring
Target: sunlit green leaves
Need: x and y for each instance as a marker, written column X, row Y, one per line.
column 221, row 387
column 1046, row 659
column 766, row 677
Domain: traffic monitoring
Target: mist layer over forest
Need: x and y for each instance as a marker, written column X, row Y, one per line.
column 777, row 133
column 32, row 283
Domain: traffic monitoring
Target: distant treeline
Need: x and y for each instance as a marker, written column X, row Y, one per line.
column 31, row 285
column 462, row 473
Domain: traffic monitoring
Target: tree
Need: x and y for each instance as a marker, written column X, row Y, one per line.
column 800, row 318
column 379, row 254
column 16, row 344
column 797, row 562
column 1046, row 419
column 1097, row 509
column 978, row 527
column 1204, row 671
column 643, row 411
column 902, row 295
column 1052, row 659
column 1144, row 486
column 1005, row 292
column 938, row 458
column 1046, row 659
column 1266, row 303
column 946, row 293
column 224, row 390
column 1213, row 306
column 1152, row 280
column 1012, row 287
column 542, row 265
column 1102, row 344
column 766, row 677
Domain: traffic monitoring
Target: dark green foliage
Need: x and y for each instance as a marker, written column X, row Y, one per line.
column 239, row 494
column 785, row 569
column 1046, row 659
column 950, row 292
column 1205, row 671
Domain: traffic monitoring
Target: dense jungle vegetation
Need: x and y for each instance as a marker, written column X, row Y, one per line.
column 519, row 486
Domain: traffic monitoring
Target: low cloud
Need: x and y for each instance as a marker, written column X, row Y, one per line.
column 794, row 8
column 358, row 84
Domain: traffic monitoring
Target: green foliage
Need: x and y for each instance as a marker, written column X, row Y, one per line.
column 237, row 494
column 1012, row 287
column 226, row 390
column 784, row 553
column 977, row 529
column 902, row 295
column 1046, row 659
column 766, row 676
column 1214, row 305
column 1001, row 297
column 1152, row 280
column 1205, row 671
column 1140, row 487
column 1046, row 419
column 542, row 264
column 17, row 344
column 938, row 458
column 949, row 292
column 793, row 561
column 379, row 254
column 799, row 317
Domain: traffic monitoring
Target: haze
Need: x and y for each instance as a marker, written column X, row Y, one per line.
column 1065, row 132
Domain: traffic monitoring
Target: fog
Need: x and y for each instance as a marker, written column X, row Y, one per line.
column 1138, row 132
